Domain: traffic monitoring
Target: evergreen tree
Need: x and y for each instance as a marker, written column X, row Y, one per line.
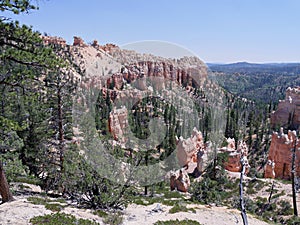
column 24, row 60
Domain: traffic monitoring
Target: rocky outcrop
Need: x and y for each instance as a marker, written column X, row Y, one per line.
column 179, row 181
column 288, row 111
column 233, row 163
column 108, row 47
column 191, row 151
column 118, row 123
column 78, row 41
column 54, row 40
column 95, row 44
column 280, row 155
column 116, row 81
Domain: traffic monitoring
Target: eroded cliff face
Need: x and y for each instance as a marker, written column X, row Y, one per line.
column 118, row 124
column 191, row 152
column 288, row 111
column 280, row 155
column 120, row 74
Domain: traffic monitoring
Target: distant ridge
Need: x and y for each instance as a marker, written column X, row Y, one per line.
column 241, row 67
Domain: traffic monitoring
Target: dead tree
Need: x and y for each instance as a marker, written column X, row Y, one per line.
column 242, row 204
column 294, row 178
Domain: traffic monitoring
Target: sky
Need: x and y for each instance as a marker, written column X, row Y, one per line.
column 217, row 31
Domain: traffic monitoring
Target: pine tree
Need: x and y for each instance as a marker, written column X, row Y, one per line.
column 23, row 60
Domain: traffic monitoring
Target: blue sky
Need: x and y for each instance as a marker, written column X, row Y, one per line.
column 215, row 30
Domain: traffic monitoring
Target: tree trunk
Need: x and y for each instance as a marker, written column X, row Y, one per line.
column 293, row 179
column 243, row 209
column 4, row 187
column 146, row 187
column 271, row 193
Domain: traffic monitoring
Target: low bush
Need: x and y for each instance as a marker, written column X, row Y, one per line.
column 37, row 200
column 113, row 219
column 100, row 213
column 180, row 207
column 55, row 207
column 59, row 219
column 177, row 222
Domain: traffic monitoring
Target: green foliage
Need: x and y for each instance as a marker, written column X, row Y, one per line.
column 215, row 187
column 113, row 218
column 265, row 83
column 172, row 194
column 295, row 220
column 177, row 222
column 267, row 211
column 209, row 191
column 282, row 193
column 163, row 195
column 83, row 184
column 286, row 208
column 49, row 204
column 180, row 207
column 145, row 200
column 37, row 200
column 25, row 117
column 16, row 6
column 253, row 186
column 13, row 167
column 59, row 219
column 55, row 207
column 100, row 213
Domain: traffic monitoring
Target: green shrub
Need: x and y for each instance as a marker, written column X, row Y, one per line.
column 48, row 203
column 295, row 220
column 55, row 207
column 177, row 222
column 85, row 185
column 28, row 180
column 172, row 194
column 146, row 200
column 113, row 219
column 13, row 166
column 250, row 205
column 170, row 202
column 286, row 208
column 209, row 191
column 180, row 207
column 282, row 193
column 250, row 191
column 59, row 219
column 37, row 200
column 100, row 213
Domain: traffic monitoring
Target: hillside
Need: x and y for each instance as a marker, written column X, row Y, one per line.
column 260, row 82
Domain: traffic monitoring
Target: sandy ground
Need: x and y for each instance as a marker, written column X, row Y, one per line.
column 20, row 211
column 136, row 214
